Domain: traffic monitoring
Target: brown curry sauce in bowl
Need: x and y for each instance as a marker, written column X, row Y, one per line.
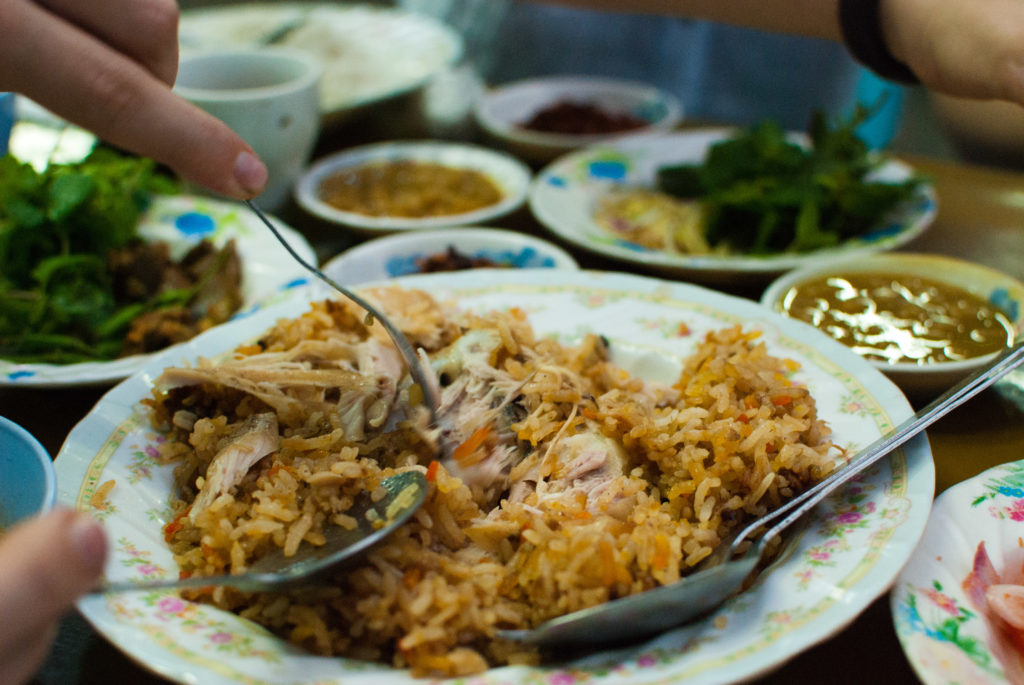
column 924, row 320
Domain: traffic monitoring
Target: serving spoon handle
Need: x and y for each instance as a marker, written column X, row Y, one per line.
column 952, row 398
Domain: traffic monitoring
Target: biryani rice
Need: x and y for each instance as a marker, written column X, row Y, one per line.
column 677, row 467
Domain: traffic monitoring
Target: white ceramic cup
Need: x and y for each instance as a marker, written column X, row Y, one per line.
column 270, row 96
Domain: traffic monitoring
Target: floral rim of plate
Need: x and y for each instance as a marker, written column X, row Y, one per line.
column 269, row 275
column 849, row 555
column 661, row 110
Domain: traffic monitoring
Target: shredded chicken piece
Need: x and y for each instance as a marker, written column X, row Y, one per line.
column 254, row 439
column 360, row 381
column 477, row 397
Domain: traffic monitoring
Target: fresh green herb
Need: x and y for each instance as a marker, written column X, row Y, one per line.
column 763, row 193
column 57, row 301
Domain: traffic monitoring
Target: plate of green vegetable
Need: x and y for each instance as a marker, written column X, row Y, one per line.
column 727, row 205
column 103, row 263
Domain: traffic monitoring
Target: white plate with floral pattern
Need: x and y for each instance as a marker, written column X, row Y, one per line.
column 564, row 197
column 945, row 635
column 268, row 273
column 849, row 554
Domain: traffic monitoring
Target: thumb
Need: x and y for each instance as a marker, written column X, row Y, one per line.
column 45, row 564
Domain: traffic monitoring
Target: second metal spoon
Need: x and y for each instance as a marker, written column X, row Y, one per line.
column 375, row 521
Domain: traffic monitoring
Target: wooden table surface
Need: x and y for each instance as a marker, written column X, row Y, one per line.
column 981, row 218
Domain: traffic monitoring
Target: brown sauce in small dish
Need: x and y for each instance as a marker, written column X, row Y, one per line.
column 409, row 189
column 900, row 318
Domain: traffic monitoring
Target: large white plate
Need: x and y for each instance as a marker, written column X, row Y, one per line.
column 564, row 197
column 850, row 553
column 369, row 53
column 268, row 273
column 945, row 638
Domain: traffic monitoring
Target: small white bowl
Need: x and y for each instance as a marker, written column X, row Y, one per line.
column 920, row 380
column 511, row 176
column 268, row 95
column 398, row 255
column 502, row 111
column 28, row 483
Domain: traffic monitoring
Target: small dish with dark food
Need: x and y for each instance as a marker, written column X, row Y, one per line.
column 582, row 119
column 453, row 249
column 454, row 260
column 396, row 186
column 924, row 320
column 539, row 119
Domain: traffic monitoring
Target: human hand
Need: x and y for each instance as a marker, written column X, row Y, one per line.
column 108, row 67
column 966, row 49
column 45, row 563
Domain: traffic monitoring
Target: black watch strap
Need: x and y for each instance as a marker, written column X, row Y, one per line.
column 860, row 23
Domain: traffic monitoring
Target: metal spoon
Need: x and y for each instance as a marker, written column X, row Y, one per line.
column 405, row 493
column 632, row 618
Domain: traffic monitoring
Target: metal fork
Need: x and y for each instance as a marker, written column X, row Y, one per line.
column 419, row 374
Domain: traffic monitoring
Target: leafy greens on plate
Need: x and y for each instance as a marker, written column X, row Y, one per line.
column 61, row 230
column 762, row 192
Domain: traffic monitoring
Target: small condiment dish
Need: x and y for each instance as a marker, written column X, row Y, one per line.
column 28, row 483
column 406, row 253
column 503, row 112
column 508, row 175
column 922, row 379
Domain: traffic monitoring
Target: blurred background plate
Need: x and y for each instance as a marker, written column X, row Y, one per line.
column 564, row 197
column 506, row 174
column 405, row 253
column 268, row 274
column 369, row 53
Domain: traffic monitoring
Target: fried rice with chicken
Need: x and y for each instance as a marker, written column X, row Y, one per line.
column 572, row 482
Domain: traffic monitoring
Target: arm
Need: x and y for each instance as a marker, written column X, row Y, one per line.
column 969, row 49
column 109, row 66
